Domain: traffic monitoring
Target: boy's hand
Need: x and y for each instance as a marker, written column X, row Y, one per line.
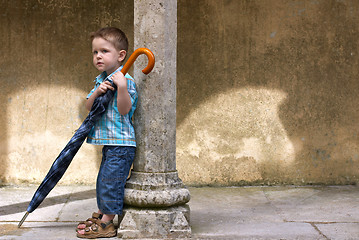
column 119, row 79
column 104, row 86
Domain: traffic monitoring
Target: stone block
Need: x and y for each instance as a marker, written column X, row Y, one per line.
column 155, row 223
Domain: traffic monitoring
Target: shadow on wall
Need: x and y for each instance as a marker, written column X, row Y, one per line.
column 45, row 77
column 267, row 92
column 237, row 131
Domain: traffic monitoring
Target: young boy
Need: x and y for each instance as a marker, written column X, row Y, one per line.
column 114, row 130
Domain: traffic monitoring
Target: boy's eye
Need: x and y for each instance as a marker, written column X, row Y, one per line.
column 95, row 52
column 105, row 51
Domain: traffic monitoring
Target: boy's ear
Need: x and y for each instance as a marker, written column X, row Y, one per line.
column 121, row 55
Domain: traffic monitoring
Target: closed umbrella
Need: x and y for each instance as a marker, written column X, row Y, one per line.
column 65, row 157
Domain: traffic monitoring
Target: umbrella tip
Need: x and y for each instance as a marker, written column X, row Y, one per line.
column 23, row 219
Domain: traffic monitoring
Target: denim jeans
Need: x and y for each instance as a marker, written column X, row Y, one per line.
column 111, row 179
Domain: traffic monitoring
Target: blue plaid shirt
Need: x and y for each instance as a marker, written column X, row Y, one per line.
column 114, row 128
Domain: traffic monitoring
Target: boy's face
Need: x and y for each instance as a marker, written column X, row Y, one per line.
column 105, row 56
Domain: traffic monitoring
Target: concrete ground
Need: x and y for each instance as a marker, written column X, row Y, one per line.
column 288, row 212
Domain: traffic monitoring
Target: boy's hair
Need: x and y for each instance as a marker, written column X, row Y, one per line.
column 113, row 35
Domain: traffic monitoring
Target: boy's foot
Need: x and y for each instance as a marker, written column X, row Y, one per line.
column 98, row 229
column 84, row 224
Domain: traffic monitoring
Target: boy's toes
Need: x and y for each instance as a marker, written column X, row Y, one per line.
column 82, row 232
column 81, row 226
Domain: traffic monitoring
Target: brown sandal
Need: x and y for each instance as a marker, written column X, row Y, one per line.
column 99, row 229
column 89, row 221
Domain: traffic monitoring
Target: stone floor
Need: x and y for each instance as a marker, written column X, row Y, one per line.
column 286, row 212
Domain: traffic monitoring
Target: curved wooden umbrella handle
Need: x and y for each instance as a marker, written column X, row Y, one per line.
column 133, row 57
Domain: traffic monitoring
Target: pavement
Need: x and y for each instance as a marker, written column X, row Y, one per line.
column 279, row 212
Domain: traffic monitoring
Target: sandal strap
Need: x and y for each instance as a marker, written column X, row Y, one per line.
column 103, row 224
column 96, row 225
column 97, row 215
column 91, row 220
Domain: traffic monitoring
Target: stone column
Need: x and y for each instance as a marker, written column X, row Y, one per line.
column 155, row 196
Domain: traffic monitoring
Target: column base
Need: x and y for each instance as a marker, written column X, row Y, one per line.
column 155, row 190
column 139, row 223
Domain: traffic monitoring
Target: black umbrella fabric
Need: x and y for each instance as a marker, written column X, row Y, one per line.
column 64, row 159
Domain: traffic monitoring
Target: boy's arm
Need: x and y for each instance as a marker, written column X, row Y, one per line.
column 99, row 91
column 124, row 103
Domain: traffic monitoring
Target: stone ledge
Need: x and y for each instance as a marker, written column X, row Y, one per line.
column 154, row 181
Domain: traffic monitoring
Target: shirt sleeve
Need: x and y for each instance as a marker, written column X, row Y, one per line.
column 131, row 88
column 92, row 91
column 132, row 91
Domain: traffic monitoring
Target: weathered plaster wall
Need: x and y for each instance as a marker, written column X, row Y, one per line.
column 46, row 72
column 268, row 91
